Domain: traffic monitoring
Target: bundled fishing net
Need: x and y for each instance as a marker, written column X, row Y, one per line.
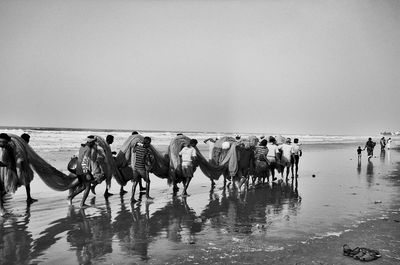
column 125, row 158
column 109, row 166
column 227, row 153
column 211, row 171
column 8, row 173
column 50, row 175
column 224, row 154
column 24, row 171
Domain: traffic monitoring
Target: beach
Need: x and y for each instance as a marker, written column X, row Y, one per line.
column 334, row 201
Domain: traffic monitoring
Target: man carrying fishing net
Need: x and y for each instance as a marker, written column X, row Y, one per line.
column 90, row 169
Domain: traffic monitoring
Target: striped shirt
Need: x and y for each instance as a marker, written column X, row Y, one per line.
column 261, row 153
column 140, row 152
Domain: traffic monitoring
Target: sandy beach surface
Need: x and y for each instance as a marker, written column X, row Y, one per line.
column 334, row 201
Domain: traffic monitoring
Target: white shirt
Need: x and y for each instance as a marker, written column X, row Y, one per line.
column 187, row 153
column 272, row 149
column 287, row 150
column 296, row 149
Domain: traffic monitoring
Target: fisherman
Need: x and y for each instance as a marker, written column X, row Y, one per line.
column 90, row 168
column 188, row 155
column 109, row 141
column 141, row 188
column 141, row 163
column 273, row 149
column 211, row 143
column 382, row 142
column 369, row 145
column 8, row 174
column 287, row 153
column 261, row 166
column 297, row 153
column 24, row 171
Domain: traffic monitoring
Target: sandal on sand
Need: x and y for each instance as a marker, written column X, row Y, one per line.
column 363, row 254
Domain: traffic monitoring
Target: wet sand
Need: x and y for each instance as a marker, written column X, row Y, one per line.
column 296, row 222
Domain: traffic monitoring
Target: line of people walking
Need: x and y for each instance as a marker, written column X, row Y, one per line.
column 95, row 163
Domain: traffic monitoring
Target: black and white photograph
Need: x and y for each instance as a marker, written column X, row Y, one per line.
column 199, row 132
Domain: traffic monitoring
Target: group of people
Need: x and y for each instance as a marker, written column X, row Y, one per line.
column 271, row 156
column 370, row 145
column 91, row 165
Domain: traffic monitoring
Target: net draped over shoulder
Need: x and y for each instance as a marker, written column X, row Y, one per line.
column 52, row 177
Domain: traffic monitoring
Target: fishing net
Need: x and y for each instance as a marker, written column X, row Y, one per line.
column 50, row 175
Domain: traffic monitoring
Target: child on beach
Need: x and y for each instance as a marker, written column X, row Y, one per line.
column 359, row 150
column 188, row 155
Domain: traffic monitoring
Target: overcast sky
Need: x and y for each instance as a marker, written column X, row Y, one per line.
column 329, row 67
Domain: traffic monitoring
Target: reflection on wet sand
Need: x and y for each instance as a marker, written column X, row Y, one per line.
column 16, row 240
column 370, row 173
column 238, row 212
column 91, row 236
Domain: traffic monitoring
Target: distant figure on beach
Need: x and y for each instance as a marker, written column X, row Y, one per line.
column 359, row 150
column 24, row 171
column 188, row 156
column 8, row 173
column 237, row 137
column 382, row 142
column 210, row 142
column 141, row 161
column 369, row 145
column 286, row 159
column 273, row 149
column 297, row 153
column 89, row 168
column 389, row 141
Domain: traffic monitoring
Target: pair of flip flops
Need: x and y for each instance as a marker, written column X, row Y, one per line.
column 363, row 254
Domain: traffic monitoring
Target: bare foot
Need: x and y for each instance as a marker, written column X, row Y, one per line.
column 107, row 194
column 31, row 200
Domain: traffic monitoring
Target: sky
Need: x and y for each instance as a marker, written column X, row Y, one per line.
column 309, row 67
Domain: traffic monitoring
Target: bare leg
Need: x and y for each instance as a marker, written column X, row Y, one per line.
column 2, row 210
column 212, row 183
column 242, row 181
column 74, row 192
column 133, row 191
column 273, row 173
column 85, row 194
column 287, row 172
column 106, row 193
column 141, row 188
column 122, row 191
column 29, row 199
column 186, row 185
column 148, row 188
